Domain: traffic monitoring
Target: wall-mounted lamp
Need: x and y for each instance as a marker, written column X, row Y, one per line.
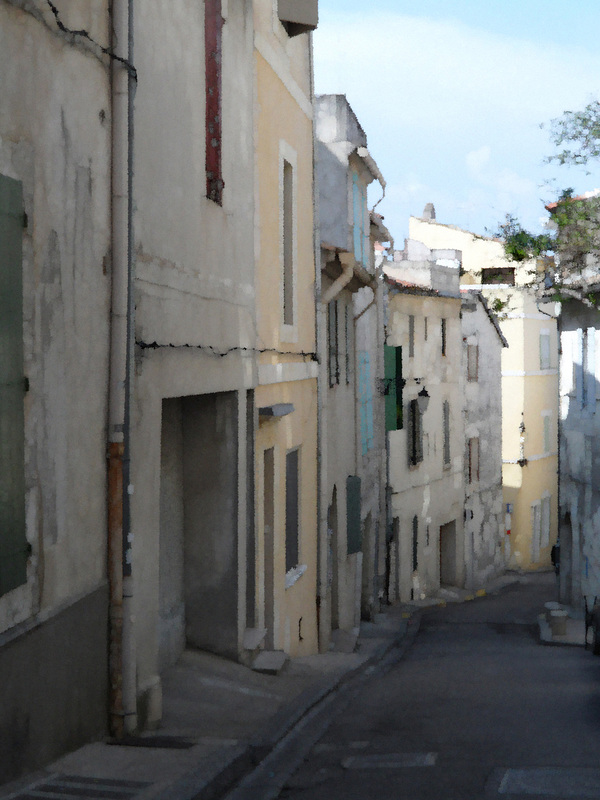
column 423, row 400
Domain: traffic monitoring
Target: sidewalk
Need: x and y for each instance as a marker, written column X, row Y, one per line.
column 220, row 719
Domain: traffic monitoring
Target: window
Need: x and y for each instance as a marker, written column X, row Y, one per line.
column 536, row 531
column 472, row 362
column 292, row 529
column 545, row 350
column 365, row 396
column 415, row 544
column 392, row 388
column 13, row 542
column 425, row 328
column 288, row 244
column 444, row 337
column 414, row 434
column 332, row 343
column 473, row 459
column 446, row 430
column 505, row 275
column 348, row 341
column 411, row 336
column 545, row 523
column 353, row 514
column 547, row 440
column 213, row 28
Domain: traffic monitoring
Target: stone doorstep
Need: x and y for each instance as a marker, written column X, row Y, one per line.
column 270, row 662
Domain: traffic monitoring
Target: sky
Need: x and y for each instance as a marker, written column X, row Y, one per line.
column 451, row 95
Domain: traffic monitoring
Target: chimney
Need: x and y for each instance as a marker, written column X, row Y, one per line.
column 429, row 212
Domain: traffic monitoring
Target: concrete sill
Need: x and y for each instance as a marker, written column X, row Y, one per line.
column 294, row 575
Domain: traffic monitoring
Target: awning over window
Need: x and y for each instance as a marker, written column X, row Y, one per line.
column 299, row 16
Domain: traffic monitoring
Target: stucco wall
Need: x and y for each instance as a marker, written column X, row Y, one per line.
column 54, row 138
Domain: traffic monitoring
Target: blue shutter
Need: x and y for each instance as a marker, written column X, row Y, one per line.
column 13, row 544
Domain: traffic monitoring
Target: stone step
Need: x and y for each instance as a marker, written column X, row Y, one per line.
column 270, row 662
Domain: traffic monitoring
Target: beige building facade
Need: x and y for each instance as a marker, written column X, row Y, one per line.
column 285, row 577
column 529, row 388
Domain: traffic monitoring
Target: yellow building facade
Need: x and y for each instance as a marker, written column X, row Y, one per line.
column 286, row 396
column 529, row 388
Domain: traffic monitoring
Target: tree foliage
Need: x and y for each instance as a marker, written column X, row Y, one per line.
column 572, row 242
column 578, row 134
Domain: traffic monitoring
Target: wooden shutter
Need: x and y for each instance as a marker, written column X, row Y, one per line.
column 332, row 343
column 446, row 428
column 472, row 362
column 353, row 514
column 213, row 27
column 389, row 355
column 13, row 544
column 292, row 529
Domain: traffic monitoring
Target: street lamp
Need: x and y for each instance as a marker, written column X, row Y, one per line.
column 423, row 400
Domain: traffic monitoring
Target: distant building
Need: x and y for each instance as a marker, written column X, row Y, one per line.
column 482, row 342
column 425, row 422
column 529, row 387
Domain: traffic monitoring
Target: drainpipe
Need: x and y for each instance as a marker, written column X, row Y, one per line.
column 323, row 639
column 343, row 280
column 123, row 712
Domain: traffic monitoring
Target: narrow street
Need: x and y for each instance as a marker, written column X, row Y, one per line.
column 477, row 708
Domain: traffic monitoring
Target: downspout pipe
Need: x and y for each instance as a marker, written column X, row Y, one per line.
column 340, row 282
column 122, row 659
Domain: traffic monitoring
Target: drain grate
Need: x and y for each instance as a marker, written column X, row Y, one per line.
column 79, row 787
column 165, row 742
column 390, row 761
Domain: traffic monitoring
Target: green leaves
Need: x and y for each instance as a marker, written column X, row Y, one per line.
column 581, row 130
column 521, row 245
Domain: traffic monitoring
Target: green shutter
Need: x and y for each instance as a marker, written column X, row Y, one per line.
column 13, row 544
column 353, row 512
column 391, row 414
